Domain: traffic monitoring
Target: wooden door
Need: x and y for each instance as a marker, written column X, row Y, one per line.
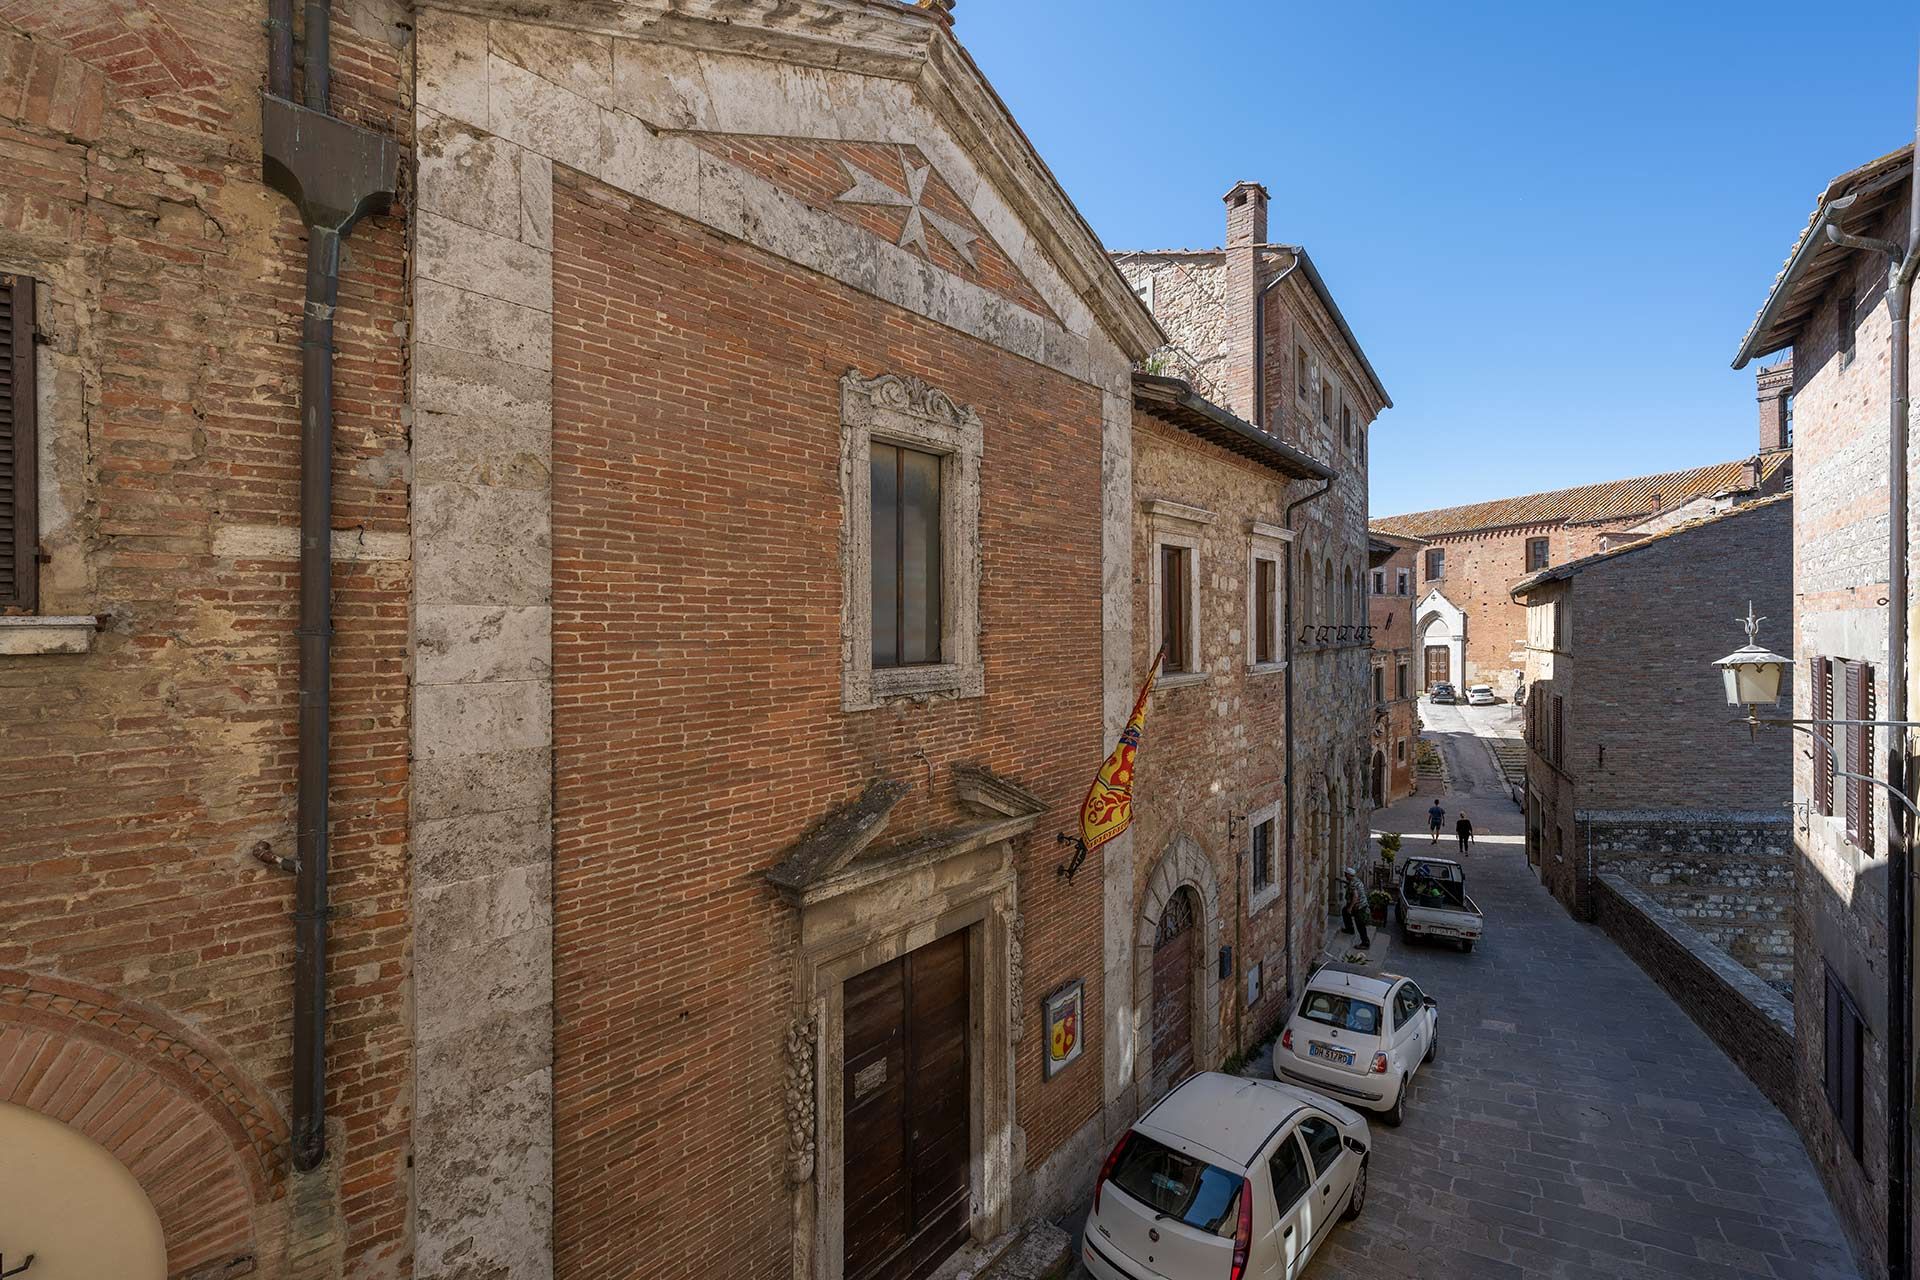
column 906, row 1097
column 1437, row 665
column 1173, row 944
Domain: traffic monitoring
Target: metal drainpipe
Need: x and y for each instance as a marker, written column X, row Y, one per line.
column 335, row 173
column 1292, row 820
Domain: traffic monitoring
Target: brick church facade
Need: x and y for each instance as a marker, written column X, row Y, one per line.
column 748, row 531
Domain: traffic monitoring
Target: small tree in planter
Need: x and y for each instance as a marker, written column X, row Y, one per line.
column 1379, row 900
column 1389, row 850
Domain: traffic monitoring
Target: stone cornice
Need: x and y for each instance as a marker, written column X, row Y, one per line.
column 873, row 37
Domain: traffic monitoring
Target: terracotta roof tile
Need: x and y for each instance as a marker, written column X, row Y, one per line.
column 1612, row 500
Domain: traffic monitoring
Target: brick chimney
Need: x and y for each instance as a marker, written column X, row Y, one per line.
column 1246, row 229
column 1773, row 386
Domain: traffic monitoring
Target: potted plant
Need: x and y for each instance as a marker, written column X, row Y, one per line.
column 1379, row 900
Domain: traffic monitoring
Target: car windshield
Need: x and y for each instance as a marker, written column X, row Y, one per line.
column 1175, row 1184
column 1341, row 1011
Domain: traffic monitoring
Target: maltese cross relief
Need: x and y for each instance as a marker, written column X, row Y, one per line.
column 890, row 189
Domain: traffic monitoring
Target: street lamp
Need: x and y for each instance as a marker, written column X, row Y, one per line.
column 1752, row 673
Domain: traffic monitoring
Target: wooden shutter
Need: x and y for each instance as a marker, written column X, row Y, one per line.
column 1859, row 742
column 1823, row 737
column 19, row 450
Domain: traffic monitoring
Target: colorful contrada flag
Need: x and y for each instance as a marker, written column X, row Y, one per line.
column 1108, row 809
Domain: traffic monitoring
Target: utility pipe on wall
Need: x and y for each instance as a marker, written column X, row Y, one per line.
column 335, row 173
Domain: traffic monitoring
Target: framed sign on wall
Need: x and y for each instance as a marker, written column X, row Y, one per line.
column 1065, row 1013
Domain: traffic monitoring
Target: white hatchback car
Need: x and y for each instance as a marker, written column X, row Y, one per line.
column 1360, row 1036
column 1226, row 1179
column 1481, row 695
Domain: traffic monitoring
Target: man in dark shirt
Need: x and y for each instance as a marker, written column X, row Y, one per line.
column 1435, row 816
column 1463, row 829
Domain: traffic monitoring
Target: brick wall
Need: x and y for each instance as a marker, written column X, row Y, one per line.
column 1840, row 580
column 1480, row 568
column 697, row 712
column 1750, row 1022
column 139, row 777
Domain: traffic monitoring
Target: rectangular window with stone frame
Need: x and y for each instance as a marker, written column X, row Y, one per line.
column 1262, row 859
column 905, row 493
column 19, row 450
column 1400, row 679
column 1266, row 610
column 1176, row 615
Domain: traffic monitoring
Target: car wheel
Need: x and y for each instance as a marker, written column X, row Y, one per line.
column 1357, row 1198
column 1433, row 1047
column 1398, row 1112
column 1466, row 944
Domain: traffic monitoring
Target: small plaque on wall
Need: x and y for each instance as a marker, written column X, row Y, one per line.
column 1065, row 1012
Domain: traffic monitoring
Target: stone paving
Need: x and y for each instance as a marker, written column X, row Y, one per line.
column 1576, row 1124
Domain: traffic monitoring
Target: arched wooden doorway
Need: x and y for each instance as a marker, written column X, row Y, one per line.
column 1175, row 941
column 1379, row 779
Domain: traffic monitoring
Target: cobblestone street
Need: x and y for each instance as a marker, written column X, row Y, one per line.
column 1577, row 1124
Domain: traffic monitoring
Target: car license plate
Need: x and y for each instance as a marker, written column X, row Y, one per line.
column 1317, row 1050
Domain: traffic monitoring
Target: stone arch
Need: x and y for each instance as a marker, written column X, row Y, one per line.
column 1438, row 621
column 1181, row 864
column 205, row 1146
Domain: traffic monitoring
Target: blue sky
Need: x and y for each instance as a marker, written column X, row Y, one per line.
column 1549, row 224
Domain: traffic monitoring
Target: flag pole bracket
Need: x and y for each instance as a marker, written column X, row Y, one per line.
column 1066, row 871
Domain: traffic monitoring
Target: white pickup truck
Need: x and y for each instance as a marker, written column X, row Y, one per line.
column 1433, row 902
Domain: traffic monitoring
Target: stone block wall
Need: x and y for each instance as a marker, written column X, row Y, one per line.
column 1187, row 293
column 1730, row 877
column 142, row 774
column 1752, row 1023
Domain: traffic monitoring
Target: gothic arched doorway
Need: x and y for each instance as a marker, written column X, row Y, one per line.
column 1174, row 942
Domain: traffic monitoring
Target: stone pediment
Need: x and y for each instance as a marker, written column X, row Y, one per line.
column 843, row 850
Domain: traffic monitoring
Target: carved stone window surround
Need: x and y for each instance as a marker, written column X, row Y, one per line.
column 1176, row 524
column 903, row 410
column 1267, row 542
column 1265, row 897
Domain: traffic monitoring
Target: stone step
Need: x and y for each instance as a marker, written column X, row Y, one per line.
column 1043, row 1252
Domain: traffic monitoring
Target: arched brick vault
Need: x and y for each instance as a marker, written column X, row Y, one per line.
column 205, row 1146
column 1183, row 863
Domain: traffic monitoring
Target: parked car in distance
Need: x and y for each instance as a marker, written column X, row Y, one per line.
column 1432, row 902
column 1481, row 695
column 1360, row 1036
column 1442, row 692
column 1226, row 1178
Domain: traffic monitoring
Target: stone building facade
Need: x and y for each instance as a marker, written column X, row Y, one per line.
column 1281, row 356
column 151, row 282
column 1828, row 307
column 1469, row 630
column 1210, row 557
column 1634, row 765
column 1395, row 688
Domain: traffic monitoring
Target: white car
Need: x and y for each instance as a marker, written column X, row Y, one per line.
column 1481, row 695
column 1359, row 1036
column 1226, row 1179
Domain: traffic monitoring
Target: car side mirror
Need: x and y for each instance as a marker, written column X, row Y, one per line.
column 1429, row 1002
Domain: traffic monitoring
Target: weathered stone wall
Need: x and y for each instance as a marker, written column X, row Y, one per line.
column 1186, row 291
column 1215, row 754
column 1752, row 1023
column 142, row 774
column 1391, row 616
column 1729, row 876
column 1840, row 583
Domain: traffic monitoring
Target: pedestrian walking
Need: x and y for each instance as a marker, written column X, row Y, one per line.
column 1354, row 918
column 1463, row 831
column 1435, row 816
